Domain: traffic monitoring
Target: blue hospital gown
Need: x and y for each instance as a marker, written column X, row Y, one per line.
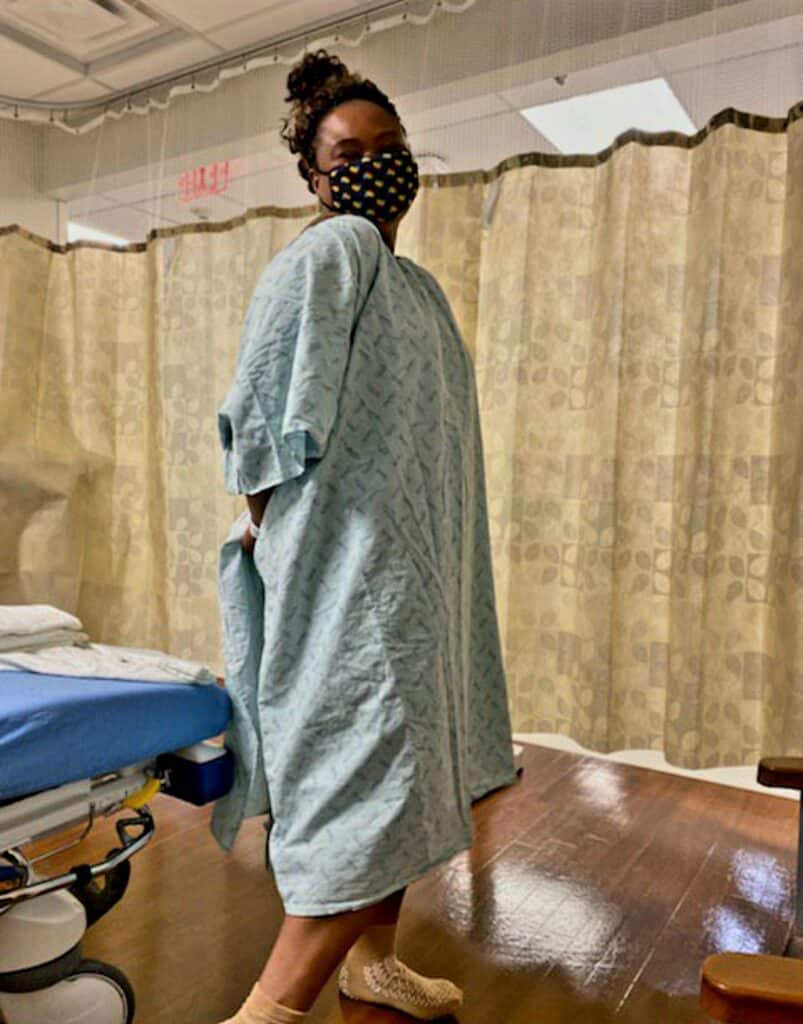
column 379, row 700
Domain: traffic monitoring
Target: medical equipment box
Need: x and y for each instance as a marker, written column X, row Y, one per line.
column 198, row 774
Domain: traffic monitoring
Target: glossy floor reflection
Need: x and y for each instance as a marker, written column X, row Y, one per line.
column 592, row 893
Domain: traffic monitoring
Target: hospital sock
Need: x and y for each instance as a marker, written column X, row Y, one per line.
column 373, row 974
column 259, row 1008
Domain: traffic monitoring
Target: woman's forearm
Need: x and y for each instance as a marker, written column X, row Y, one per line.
column 257, row 504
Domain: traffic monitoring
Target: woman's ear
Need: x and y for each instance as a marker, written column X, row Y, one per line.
column 313, row 176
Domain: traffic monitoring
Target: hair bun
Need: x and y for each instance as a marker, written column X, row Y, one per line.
column 312, row 72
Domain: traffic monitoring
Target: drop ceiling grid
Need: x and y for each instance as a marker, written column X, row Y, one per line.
column 203, row 15
column 45, row 70
column 21, row 66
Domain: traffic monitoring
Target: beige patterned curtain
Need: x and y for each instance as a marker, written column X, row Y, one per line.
column 636, row 321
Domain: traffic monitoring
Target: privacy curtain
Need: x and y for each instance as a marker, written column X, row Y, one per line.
column 636, row 324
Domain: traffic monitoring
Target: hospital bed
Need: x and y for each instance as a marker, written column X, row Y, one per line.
column 73, row 750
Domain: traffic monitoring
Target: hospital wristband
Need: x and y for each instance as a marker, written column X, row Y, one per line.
column 253, row 529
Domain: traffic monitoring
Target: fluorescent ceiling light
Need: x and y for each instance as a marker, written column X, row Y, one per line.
column 587, row 124
column 78, row 232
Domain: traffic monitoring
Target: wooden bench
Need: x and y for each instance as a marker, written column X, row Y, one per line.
column 745, row 988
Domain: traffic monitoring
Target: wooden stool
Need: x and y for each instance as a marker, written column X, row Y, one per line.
column 744, row 988
column 787, row 773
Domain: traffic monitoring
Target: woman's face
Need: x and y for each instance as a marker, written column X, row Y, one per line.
column 352, row 130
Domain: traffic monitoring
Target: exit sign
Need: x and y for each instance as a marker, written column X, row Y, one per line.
column 209, row 180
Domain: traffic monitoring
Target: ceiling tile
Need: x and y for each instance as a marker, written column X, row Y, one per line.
column 588, row 80
column 145, row 191
column 268, row 155
column 202, row 14
column 24, row 72
column 772, row 35
column 481, row 145
column 79, row 89
column 430, row 115
column 161, row 61
column 77, row 28
column 132, row 225
column 276, row 20
column 762, row 83
column 206, row 208
column 280, row 186
column 80, row 208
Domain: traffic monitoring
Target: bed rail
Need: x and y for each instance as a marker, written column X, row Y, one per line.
column 81, row 874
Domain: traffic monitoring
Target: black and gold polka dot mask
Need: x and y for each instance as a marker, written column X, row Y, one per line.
column 379, row 187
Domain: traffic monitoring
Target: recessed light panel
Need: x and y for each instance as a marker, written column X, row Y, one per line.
column 587, row 124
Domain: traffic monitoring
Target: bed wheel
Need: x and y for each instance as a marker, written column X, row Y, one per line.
column 95, row 993
column 105, row 973
column 99, row 895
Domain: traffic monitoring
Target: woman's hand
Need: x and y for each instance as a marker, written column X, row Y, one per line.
column 257, row 503
column 247, row 541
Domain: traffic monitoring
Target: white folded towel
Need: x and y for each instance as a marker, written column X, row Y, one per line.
column 28, row 620
column 101, row 661
column 36, row 641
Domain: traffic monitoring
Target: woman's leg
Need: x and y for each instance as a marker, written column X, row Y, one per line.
column 308, row 949
column 305, row 954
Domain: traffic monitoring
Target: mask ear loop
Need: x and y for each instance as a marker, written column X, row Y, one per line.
column 325, row 174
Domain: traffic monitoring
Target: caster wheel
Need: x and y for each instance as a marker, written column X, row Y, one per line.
column 95, row 993
column 100, row 975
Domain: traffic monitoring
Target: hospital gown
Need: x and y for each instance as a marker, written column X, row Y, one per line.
column 361, row 646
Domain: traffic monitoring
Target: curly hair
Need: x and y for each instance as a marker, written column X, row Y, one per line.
column 316, row 85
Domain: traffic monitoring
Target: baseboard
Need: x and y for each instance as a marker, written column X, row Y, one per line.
column 518, row 757
column 740, row 777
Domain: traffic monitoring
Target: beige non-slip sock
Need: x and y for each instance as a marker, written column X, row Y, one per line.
column 259, row 1008
column 372, row 973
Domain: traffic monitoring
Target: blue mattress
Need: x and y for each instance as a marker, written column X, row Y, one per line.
column 57, row 729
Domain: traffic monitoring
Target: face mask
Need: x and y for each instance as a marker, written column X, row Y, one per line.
column 377, row 187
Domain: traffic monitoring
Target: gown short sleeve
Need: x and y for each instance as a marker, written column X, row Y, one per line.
column 294, row 350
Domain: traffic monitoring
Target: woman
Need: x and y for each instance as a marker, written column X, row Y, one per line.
column 352, row 429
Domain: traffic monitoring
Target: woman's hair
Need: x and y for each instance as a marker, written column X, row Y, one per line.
column 316, row 85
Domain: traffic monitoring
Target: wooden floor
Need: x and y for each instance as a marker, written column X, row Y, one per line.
column 592, row 894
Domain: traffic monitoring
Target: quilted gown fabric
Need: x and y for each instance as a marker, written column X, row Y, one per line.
column 377, row 702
